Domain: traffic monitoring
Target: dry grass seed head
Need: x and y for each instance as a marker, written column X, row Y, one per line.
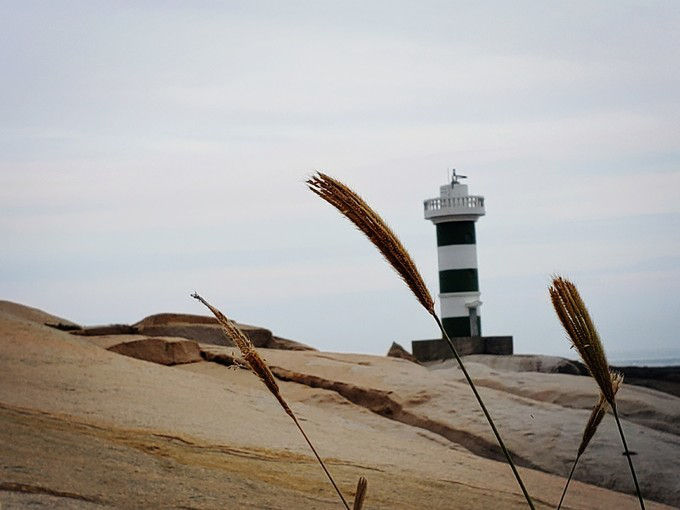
column 355, row 209
column 362, row 486
column 255, row 362
column 594, row 421
column 261, row 369
column 576, row 321
column 598, row 413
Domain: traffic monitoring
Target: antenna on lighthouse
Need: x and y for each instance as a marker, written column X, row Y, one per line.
column 455, row 178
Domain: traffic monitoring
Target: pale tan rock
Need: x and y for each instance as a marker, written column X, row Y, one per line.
column 29, row 313
column 541, row 416
column 202, row 333
column 397, row 351
column 162, row 319
column 288, row 345
column 122, row 433
column 522, row 363
column 206, row 329
column 161, row 350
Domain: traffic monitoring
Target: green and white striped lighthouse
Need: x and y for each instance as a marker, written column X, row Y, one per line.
column 454, row 215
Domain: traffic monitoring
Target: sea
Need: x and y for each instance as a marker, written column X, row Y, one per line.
column 641, row 358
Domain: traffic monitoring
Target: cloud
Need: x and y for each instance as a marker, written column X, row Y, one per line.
column 148, row 149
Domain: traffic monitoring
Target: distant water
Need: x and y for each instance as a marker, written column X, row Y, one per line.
column 645, row 361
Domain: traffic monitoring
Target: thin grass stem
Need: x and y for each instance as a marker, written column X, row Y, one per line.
column 486, row 412
column 566, row 486
column 260, row 368
column 627, row 452
column 328, row 474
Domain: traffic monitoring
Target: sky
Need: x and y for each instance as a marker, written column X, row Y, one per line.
column 152, row 149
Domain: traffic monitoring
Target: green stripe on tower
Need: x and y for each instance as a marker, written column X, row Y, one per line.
column 456, row 232
column 458, row 280
column 460, row 326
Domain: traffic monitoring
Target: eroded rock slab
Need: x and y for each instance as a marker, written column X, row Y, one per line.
column 521, row 363
column 161, row 350
column 207, row 330
column 542, row 431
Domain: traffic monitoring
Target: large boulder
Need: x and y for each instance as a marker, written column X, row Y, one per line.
column 161, row 350
column 206, row 329
column 203, row 333
column 163, row 319
column 199, row 328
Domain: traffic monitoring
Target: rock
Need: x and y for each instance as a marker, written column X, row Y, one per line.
column 61, row 326
column 199, row 328
column 666, row 379
column 397, row 351
column 69, row 408
column 204, row 329
column 161, row 350
column 223, row 356
column 162, row 319
column 542, row 415
column 203, row 333
column 31, row 314
column 288, row 345
column 111, row 329
column 526, row 363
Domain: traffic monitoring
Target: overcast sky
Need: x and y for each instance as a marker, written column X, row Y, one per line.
column 150, row 149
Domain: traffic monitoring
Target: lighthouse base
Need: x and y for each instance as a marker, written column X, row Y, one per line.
column 431, row 350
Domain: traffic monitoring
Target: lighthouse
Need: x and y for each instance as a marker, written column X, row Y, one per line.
column 454, row 214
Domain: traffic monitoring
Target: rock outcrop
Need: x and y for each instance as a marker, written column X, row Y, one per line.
column 197, row 328
column 205, row 435
column 29, row 313
column 541, row 415
column 523, row 363
column 159, row 349
column 109, row 329
column 397, row 351
column 207, row 330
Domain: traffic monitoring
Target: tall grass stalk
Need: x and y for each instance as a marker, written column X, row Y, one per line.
column 261, row 369
column 360, row 495
column 628, row 456
column 576, row 320
column 355, row 209
column 596, row 416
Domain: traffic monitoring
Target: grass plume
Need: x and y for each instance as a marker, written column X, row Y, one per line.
column 596, row 417
column 362, row 486
column 262, row 370
column 355, row 209
column 576, row 320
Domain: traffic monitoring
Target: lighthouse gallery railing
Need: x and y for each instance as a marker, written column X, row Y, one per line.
column 434, row 204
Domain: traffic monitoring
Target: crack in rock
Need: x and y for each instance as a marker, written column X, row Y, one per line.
column 381, row 403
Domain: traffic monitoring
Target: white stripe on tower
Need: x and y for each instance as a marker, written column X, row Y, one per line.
column 457, row 256
column 453, row 304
